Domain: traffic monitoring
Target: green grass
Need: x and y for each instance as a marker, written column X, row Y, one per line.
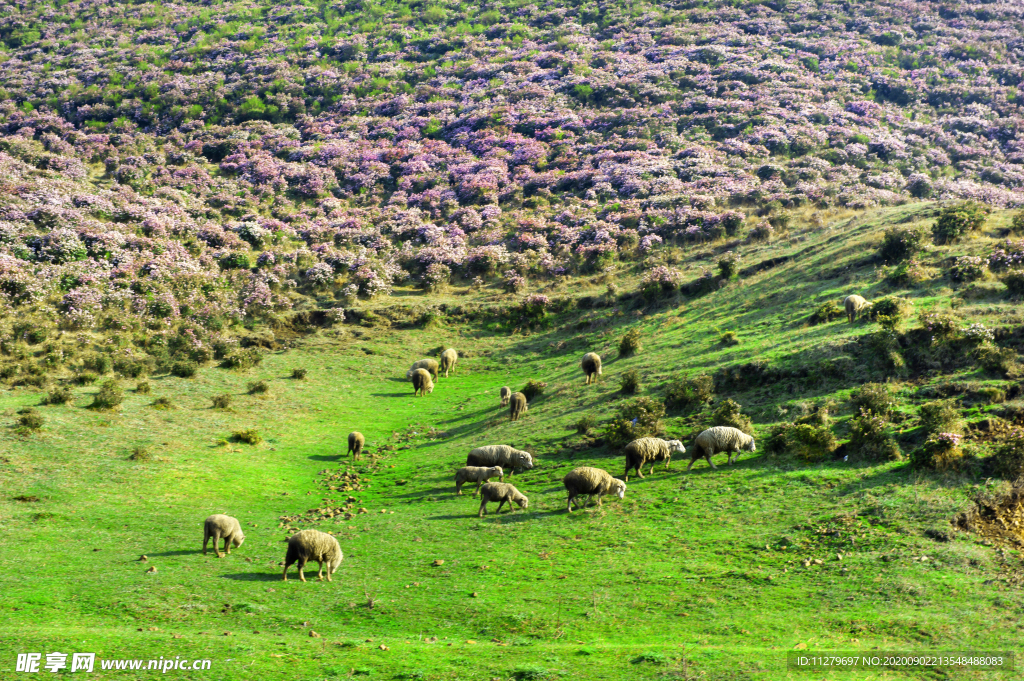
column 694, row 575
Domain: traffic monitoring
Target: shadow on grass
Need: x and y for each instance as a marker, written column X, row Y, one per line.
column 184, row 552
column 401, row 394
column 327, row 457
column 255, row 577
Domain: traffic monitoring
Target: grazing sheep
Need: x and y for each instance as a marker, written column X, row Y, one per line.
column 721, row 439
column 648, row 450
column 500, row 455
column 517, row 406
column 505, row 393
column 591, row 481
column 591, row 366
column 501, row 492
column 313, row 545
column 478, row 475
column 224, row 527
column 355, row 443
column 428, row 364
column 853, row 305
column 421, row 383
column 448, row 359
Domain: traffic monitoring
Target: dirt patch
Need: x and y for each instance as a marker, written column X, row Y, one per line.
column 998, row 517
column 27, row 498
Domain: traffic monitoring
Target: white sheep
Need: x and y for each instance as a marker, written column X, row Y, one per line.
column 591, row 365
column 355, row 443
column 448, row 359
column 477, row 474
column 429, row 364
column 591, row 481
column 854, row 304
column 650, row 450
column 224, row 527
column 505, row 394
column 721, row 439
column 506, row 456
column 313, row 545
column 421, row 383
column 516, row 406
column 501, row 492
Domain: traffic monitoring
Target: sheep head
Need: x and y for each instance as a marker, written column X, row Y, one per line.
column 522, row 501
column 750, row 446
column 238, row 539
column 619, row 488
column 676, row 446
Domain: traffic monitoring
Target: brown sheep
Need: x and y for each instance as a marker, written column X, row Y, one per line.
column 355, row 443
column 421, row 383
column 429, row 364
column 650, row 450
column 505, row 393
column 501, row 492
column 591, row 481
column 517, row 406
column 448, row 359
column 312, row 545
column 591, row 366
column 224, row 527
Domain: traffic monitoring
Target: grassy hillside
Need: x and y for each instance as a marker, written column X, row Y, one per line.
column 710, row 574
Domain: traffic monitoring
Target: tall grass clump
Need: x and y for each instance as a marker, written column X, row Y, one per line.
column 109, row 396
column 630, row 343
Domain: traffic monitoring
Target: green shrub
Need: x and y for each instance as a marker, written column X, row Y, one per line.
column 30, row 419
column 85, row 378
column 877, row 398
column 990, row 394
column 729, row 338
column 184, row 369
column 870, row 438
column 129, row 368
column 805, row 441
column 958, row 220
column 101, row 364
column 1014, row 282
column 941, row 452
column 828, row 311
column 640, row 417
column 109, row 396
column 1017, row 223
column 243, row 359
column 585, row 424
column 8, row 371
column 221, row 401
column 250, row 436
column 142, row 388
column 59, row 395
column 999, row 360
column 967, row 268
column 729, row 265
column 629, row 382
column 900, row 243
column 162, row 403
column 690, row 393
column 630, row 343
column 533, row 389
column 140, row 453
column 258, row 388
column 727, row 413
column 942, row 416
column 1008, row 461
column 890, row 311
column 299, row 374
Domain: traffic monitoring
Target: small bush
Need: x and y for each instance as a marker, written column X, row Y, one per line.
column 629, row 382
column 162, row 403
column 243, row 359
column 807, row 442
column 1008, row 461
column 299, row 374
column 109, row 396
column 143, row 388
column 998, row 360
column 900, row 243
column 585, row 424
column 959, row 220
column 690, row 393
column 630, row 343
column 1017, row 223
column 85, row 378
column 877, row 398
column 59, row 396
column 870, row 439
column 728, row 414
column 729, row 338
column 942, row 416
column 30, row 419
column 636, row 418
column 140, row 453
column 258, row 388
column 250, row 436
column 762, row 232
column 129, row 368
column 221, row 401
column 533, row 389
column 828, row 311
column 941, row 452
column 729, row 265
column 967, row 268
column 1014, row 282
column 990, row 394
column 101, row 364
column 8, row 371
column 890, row 311
column 184, row 369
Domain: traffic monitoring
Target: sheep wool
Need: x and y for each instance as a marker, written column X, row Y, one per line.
column 448, row 359
column 478, row 475
column 505, row 394
column 591, row 482
column 501, row 492
column 854, row 304
column 517, row 406
column 500, row 455
column 721, row 439
column 649, row 450
column 313, row 545
column 224, row 527
column 355, row 443
column 421, row 383
column 429, row 364
column 591, row 365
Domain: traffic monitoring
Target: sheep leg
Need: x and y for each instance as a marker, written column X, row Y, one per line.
column 501, row 502
column 320, row 571
column 227, row 545
column 568, row 504
column 458, row 488
column 216, row 543
column 708, row 457
column 599, row 500
column 302, row 566
column 284, row 575
column 206, row 538
column 329, row 571
column 476, row 492
column 483, row 507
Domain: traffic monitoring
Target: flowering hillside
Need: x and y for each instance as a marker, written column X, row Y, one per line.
column 218, row 162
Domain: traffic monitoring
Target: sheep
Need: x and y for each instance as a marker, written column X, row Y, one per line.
column 591, row 366
column 448, row 359
column 505, row 393
column 355, row 443
column 224, row 527
column 721, row 439
column 501, row 492
column 310, row 545
column 853, row 305
column 517, row 406
column 591, row 481
column 478, row 475
column 428, row 364
column 421, row 383
column 650, row 450
column 500, row 455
